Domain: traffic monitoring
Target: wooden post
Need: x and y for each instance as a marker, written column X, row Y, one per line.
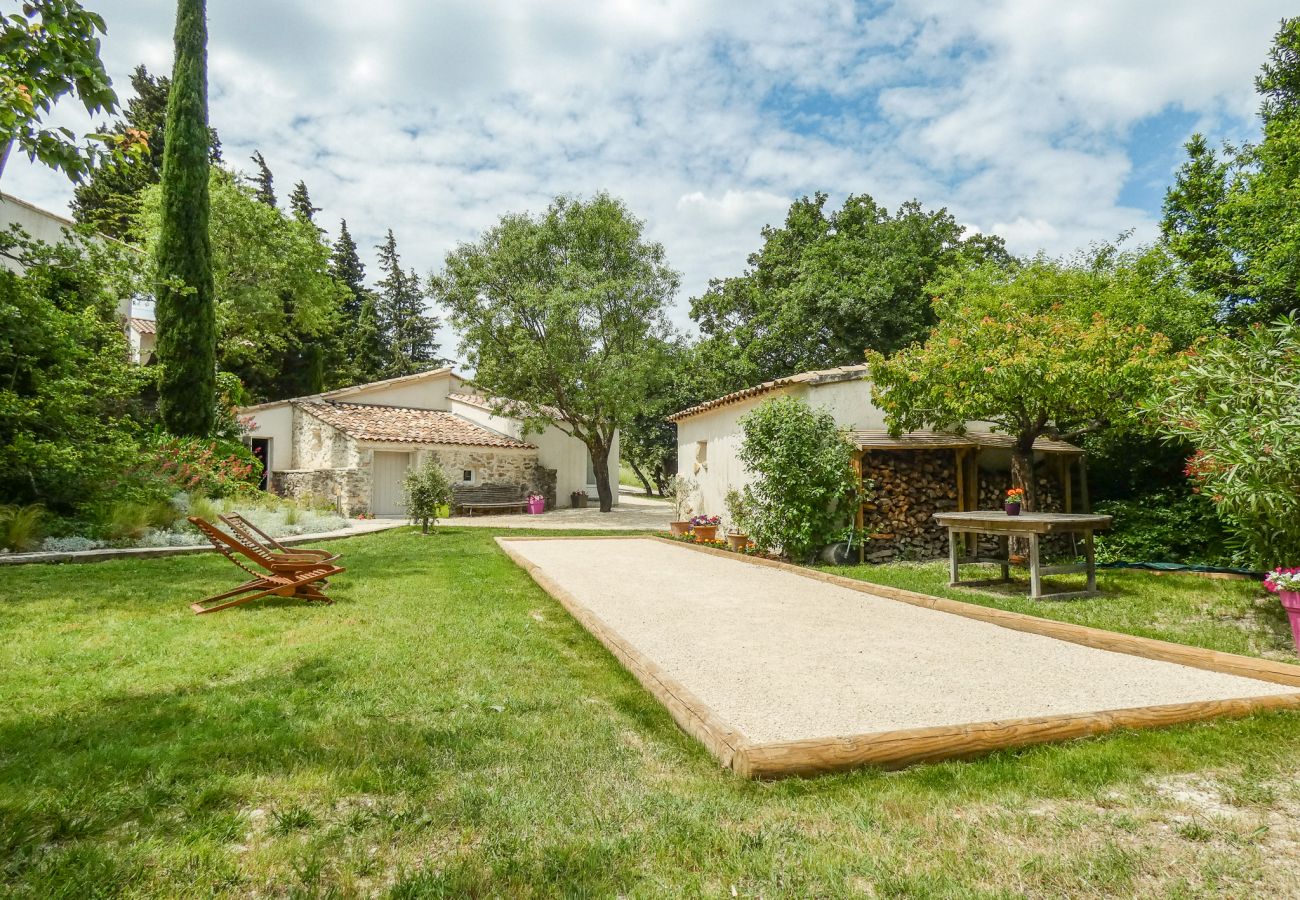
column 1035, row 579
column 1067, row 471
column 1092, row 560
column 952, row 556
column 859, row 518
column 960, row 457
column 1004, row 550
column 1083, row 483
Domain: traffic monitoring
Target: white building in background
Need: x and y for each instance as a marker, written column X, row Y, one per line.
column 353, row 446
column 50, row 228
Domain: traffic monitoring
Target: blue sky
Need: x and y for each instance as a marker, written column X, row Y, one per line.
column 1053, row 124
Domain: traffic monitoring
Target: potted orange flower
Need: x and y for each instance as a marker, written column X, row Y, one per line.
column 1015, row 498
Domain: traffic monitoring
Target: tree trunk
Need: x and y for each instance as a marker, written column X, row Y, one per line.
column 600, row 463
column 639, row 474
column 426, row 524
column 1022, row 470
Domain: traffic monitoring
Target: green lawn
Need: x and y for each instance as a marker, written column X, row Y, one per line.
column 446, row 730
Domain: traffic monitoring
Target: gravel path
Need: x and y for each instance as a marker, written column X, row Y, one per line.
column 782, row 657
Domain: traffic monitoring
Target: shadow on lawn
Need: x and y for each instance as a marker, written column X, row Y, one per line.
column 184, row 766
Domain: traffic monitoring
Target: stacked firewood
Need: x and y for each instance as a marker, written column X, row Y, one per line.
column 910, row 487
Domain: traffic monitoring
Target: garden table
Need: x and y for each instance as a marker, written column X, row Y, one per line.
column 1031, row 526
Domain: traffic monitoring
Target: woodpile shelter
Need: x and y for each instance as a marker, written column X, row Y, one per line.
column 910, row 476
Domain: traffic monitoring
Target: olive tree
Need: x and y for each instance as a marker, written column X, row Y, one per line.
column 425, row 490
column 564, row 313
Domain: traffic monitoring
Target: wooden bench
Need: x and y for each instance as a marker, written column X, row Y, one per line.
column 487, row 497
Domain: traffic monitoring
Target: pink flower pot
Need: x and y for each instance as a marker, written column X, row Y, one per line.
column 1291, row 603
column 536, row 505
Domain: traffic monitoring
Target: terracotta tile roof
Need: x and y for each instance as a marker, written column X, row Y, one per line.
column 404, row 425
column 937, row 440
column 144, row 326
column 820, row 376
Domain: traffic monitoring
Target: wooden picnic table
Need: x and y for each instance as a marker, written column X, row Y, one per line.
column 1031, row 526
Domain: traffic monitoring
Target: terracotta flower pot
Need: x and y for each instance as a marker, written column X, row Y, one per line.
column 1291, row 603
column 679, row 529
column 737, row 540
column 706, row 533
column 1013, row 509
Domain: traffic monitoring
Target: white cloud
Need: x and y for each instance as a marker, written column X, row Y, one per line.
column 707, row 117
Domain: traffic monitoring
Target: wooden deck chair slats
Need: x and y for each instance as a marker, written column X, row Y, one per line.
column 250, row 535
column 276, row 563
column 289, row 578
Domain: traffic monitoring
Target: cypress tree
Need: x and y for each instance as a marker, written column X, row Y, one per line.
column 263, row 181
column 186, row 314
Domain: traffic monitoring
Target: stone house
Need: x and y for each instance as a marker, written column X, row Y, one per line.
column 913, row 476
column 353, row 446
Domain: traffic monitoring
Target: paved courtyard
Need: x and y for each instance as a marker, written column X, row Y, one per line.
column 634, row 512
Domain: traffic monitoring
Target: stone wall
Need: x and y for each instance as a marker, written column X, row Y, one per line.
column 912, row 485
column 317, row 445
column 347, row 490
column 516, row 468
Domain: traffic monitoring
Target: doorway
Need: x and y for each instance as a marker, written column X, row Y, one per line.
column 262, row 450
column 389, row 470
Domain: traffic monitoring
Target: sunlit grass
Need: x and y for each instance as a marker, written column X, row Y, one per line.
column 445, row 729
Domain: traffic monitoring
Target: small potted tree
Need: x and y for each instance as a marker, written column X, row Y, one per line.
column 737, row 520
column 1286, row 584
column 705, row 528
column 427, row 493
column 679, row 489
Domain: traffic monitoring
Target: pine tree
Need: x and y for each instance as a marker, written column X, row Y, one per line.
column 109, row 199
column 263, row 181
column 185, row 292
column 301, row 207
column 408, row 330
column 347, row 268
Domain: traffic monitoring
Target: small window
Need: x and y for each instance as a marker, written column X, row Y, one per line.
column 702, row 452
column 467, row 476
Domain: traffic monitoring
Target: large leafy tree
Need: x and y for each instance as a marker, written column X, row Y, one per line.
column 275, row 297
column 70, row 408
column 1051, row 348
column 1235, row 402
column 410, row 332
column 183, row 253
column 49, row 49
column 828, row 285
column 564, row 313
column 1230, row 214
column 109, row 199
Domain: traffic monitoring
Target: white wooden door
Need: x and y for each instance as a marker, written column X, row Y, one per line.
column 389, row 470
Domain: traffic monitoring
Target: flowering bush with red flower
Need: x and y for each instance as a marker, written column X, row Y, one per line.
column 1235, row 402
column 211, row 468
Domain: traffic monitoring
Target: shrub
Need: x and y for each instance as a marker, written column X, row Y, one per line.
column 1236, row 403
column 1166, row 526
column 426, row 488
column 212, row 468
column 130, row 520
column 21, row 527
column 804, row 484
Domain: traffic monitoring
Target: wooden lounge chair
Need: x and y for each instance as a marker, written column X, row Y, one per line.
column 253, row 537
column 287, row 577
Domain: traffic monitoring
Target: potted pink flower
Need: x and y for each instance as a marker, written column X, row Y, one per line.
column 1286, row 584
column 536, row 504
column 705, row 528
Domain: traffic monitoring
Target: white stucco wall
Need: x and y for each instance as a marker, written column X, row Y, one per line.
column 38, row 223
column 425, row 393
column 276, row 423
column 555, row 450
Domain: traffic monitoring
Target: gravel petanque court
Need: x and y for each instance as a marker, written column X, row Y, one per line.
column 787, row 673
